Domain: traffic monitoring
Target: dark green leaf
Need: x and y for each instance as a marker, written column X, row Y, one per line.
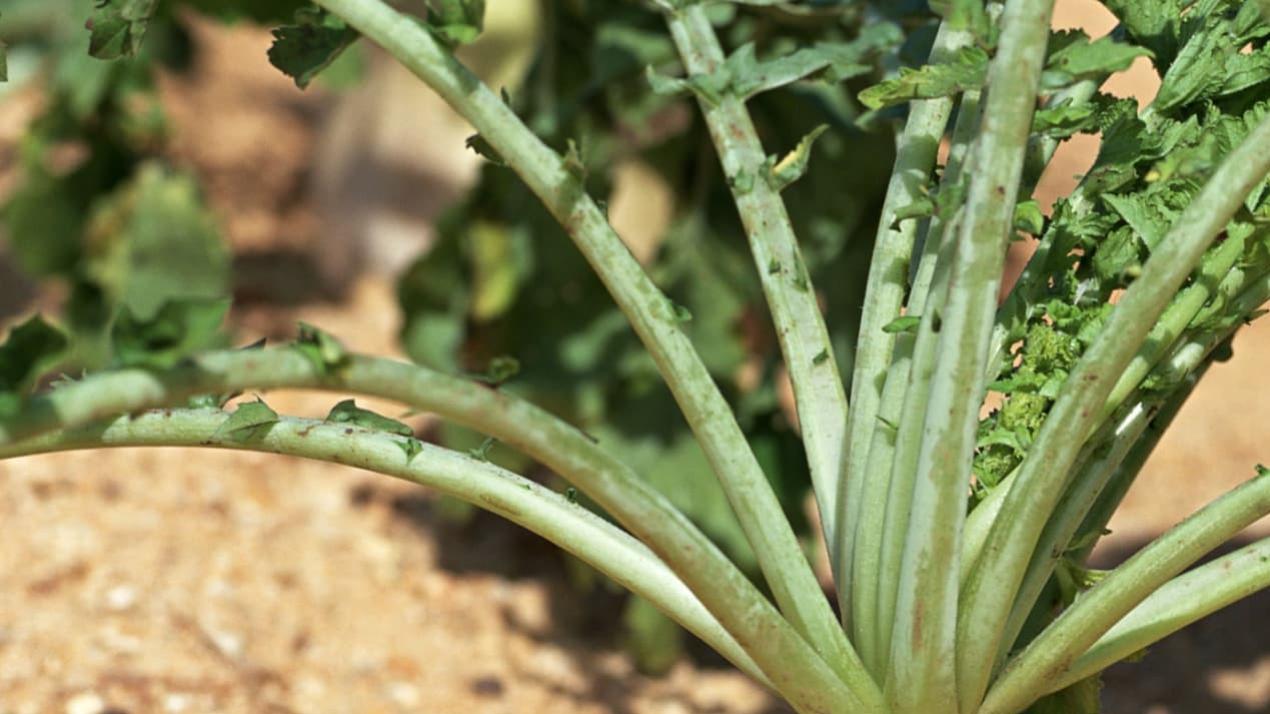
column 118, row 26
column 30, row 349
column 347, row 412
column 175, row 331
column 320, row 347
column 310, row 44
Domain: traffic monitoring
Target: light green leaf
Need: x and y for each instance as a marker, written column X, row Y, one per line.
column 966, row 70
column 793, row 165
column 251, row 420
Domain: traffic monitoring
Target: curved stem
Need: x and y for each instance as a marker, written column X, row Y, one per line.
column 1040, row 481
column 1179, row 602
column 883, row 295
column 794, row 668
column 1030, row 674
column 650, row 313
column 925, row 667
column 547, row 513
column 800, row 327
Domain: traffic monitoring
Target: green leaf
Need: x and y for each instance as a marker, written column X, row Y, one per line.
column 500, row 369
column 310, row 44
column 118, row 26
column 153, row 241
column 967, row 69
column 30, row 349
column 251, row 420
column 456, row 22
column 175, row 331
column 410, row 447
column 484, row 149
column 1028, row 217
column 321, row 348
column 347, row 412
column 903, row 323
column 793, row 165
column 1079, row 58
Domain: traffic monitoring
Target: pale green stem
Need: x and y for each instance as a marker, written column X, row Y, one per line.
column 651, row 314
column 545, row 512
column 1040, row 481
column 1175, row 319
column 1095, row 468
column 800, row 327
column 1179, row 602
column 1044, row 661
column 922, row 676
column 1187, row 364
column 883, row 295
column 904, row 401
column 794, row 668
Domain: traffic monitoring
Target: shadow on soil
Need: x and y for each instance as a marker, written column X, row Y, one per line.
column 584, row 618
column 1208, row 667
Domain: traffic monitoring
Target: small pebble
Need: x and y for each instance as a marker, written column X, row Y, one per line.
column 85, row 703
column 121, row 597
column 403, row 694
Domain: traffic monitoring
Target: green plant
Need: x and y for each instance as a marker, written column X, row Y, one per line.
column 958, row 543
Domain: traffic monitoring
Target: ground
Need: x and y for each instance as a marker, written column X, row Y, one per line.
column 195, row 581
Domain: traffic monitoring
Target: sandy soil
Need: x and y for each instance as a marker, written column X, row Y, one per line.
column 195, row 581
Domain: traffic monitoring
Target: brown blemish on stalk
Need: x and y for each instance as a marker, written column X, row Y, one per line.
column 918, row 617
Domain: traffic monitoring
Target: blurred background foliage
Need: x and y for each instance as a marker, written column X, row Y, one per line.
column 100, row 210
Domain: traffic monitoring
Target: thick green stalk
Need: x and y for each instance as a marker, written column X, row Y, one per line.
column 800, row 327
column 1040, row 482
column 1043, row 662
column 545, row 512
column 893, row 455
column 1179, row 602
column 924, row 653
column 883, row 295
column 1175, row 319
column 1187, row 365
column 794, row 668
column 651, row 314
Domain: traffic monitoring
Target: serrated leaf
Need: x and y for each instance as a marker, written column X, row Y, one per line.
column 310, row 44
column 154, row 241
column 251, row 420
column 117, row 27
column 1079, row 58
column 320, row 347
column 178, row 329
column 29, row 350
column 347, row 412
column 967, row 69
column 793, row 165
